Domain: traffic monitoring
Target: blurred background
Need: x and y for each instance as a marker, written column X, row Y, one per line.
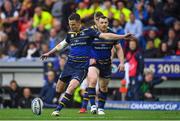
column 29, row 28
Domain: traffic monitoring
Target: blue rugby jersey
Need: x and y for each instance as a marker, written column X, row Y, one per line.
column 80, row 47
column 101, row 49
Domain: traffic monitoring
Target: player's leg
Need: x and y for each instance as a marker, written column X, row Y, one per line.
column 74, row 83
column 60, row 88
column 105, row 74
column 103, row 90
column 76, row 77
column 93, row 74
column 85, row 100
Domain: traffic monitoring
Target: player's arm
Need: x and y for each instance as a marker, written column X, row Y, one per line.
column 111, row 36
column 58, row 47
column 120, row 55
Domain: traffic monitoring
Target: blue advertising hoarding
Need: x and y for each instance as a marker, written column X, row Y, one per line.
column 161, row 67
column 142, row 105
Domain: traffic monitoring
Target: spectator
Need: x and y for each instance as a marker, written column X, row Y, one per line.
column 68, row 8
column 27, row 9
column 58, row 27
column 121, row 9
column 122, row 20
column 9, row 15
column 14, row 93
column 48, row 5
column 117, row 28
column 38, row 39
column 176, row 28
column 62, row 61
column 152, row 35
column 163, row 50
column 95, row 6
column 151, row 51
column 3, row 56
column 44, row 48
column 43, row 18
column 32, row 51
column 48, row 90
column 16, row 5
column 30, row 31
column 170, row 10
column 147, row 86
column 108, row 9
column 178, row 48
column 53, row 40
column 82, row 10
column 3, row 41
column 135, row 61
column 12, row 34
column 151, row 24
column 134, row 26
column 26, row 100
column 57, row 9
column 43, row 32
column 171, row 40
column 140, row 12
column 13, row 51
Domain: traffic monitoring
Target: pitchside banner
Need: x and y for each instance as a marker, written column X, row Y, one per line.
column 140, row 105
column 161, row 67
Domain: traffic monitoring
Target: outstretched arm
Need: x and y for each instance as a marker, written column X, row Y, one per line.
column 58, row 47
column 111, row 36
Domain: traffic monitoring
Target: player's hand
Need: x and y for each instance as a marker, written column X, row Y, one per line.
column 121, row 67
column 44, row 56
column 128, row 35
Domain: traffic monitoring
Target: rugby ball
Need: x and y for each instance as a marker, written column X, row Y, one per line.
column 37, row 106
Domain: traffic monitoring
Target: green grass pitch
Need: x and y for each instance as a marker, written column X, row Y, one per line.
column 72, row 114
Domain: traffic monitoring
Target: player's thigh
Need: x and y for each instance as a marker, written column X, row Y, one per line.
column 60, row 86
column 103, row 84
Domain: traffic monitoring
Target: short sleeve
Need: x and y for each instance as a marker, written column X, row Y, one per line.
column 3, row 16
column 16, row 14
column 93, row 32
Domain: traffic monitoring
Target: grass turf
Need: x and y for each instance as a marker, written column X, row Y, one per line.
column 71, row 114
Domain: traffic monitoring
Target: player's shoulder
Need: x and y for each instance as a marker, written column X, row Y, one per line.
column 94, row 27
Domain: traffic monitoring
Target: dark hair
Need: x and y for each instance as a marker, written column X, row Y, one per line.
column 13, row 81
column 74, row 16
column 103, row 17
column 98, row 14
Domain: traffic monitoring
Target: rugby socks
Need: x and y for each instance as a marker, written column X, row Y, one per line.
column 102, row 99
column 64, row 101
column 92, row 94
column 85, row 100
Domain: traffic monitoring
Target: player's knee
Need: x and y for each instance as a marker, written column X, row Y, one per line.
column 60, row 86
column 59, row 90
column 104, row 88
column 92, row 79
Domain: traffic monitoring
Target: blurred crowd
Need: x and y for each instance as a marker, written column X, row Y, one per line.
column 29, row 28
